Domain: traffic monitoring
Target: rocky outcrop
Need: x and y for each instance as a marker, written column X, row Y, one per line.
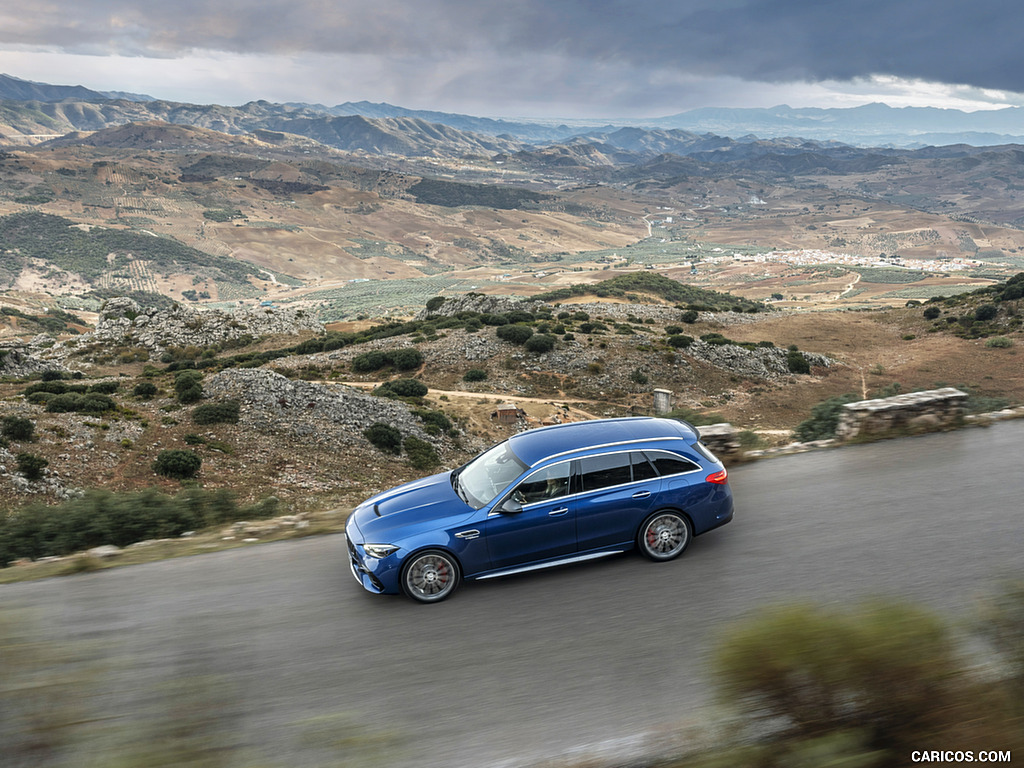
column 760, row 362
column 123, row 322
column 476, row 302
column 326, row 415
column 19, row 363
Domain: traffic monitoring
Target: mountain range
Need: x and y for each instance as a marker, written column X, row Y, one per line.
column 40, row 109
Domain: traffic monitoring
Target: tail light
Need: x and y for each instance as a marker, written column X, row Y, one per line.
column 718, row 478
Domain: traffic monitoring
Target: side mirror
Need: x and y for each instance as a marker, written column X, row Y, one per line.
column 510, row 507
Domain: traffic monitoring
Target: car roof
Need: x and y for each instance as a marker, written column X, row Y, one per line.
column 536, row 445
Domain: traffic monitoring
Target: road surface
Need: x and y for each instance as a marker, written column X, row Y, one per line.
column 535, row 665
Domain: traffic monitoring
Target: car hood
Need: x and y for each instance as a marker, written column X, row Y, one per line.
column 410, row 508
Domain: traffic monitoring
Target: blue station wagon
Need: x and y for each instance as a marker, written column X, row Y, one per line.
column 545, row 497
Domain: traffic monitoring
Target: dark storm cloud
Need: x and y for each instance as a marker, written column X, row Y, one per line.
column 952, row 41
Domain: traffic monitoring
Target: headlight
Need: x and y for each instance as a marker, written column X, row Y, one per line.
column 379, row 551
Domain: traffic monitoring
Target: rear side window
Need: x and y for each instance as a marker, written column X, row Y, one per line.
column 605, row 471
column 670, row 463
column 642, row 468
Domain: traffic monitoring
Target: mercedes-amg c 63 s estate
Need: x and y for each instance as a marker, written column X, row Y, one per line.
column 542, row 498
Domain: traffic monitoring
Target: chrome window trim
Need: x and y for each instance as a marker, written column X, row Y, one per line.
column 697, row 467
column 608, row 445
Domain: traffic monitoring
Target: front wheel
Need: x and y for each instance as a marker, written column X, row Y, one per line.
column 430, row 576
column 664, row 536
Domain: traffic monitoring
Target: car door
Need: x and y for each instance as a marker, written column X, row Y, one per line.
column 617, row 490
column 538, row 521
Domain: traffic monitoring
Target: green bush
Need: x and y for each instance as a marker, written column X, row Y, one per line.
column 887, row 672
column 68, row 402
column 384, row 437
column 986, row 312
column 999, row 342
column 187, row 386
column 101, row 517
column 680, row 341
column 406, row 358
column 796, row 362
column 930, row 313
column 145, row 389
column 369, row 361
column 17, row 428
column 421, row 453
column 401, row 388
column 516, row 334
column 434, row 422
column 177, row 463
column 435, row 303
column 223, row 412
column 475, row 374
column 824, row 419
column 30, row 465
column 690, row 316
column 105, row 387
column 539, row 343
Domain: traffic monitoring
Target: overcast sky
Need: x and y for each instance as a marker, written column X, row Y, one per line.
column 528, row 58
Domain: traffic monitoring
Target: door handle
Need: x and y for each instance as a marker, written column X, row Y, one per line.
column 559, row 511
column 467, row 534
column 641, row 494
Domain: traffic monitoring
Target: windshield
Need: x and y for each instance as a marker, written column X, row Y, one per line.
column 480, row 481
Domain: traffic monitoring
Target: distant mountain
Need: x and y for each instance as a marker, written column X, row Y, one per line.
column 16, row 89
column 523, row 131
column 867, row 125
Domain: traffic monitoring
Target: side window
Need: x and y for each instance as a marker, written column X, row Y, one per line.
column 642, row 468
column 671, row 463
column 604, row 471
column 548, row 483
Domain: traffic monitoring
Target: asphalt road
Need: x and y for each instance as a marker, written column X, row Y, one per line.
column 519, row 668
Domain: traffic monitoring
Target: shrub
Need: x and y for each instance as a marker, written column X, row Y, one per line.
column 796, row 362
column 177, row 463
column 999, row 342
column 516, row 334
column 17, row 428
column 101, row 517
column 930, row 313
column 680, row 340
column 421, row 453
column 30, row 465
column 145, row 389
column 435, row 303
column 191, row 393
column 406, row 358
column 672, row 330
column 539, row 343
column 434, row 422
column 75, row 402
column 887, row 672
column 690, row 316
column 105, row 387
column 369, row 361
column 401, row 388
column 475, row 374
column 223, row 412
column 384, row 437
column 187, row 386
column 638, row 376
column 986, row 312
column 824, row 419
column 309, row 346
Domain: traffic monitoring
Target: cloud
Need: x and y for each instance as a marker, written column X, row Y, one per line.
column 601, row 55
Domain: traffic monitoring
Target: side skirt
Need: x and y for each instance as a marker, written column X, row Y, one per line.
column 549, row 564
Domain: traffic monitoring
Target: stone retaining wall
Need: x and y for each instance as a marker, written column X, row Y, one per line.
column 935, row 409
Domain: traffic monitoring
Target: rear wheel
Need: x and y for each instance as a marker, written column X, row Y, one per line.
column 664, row 535
column 430, row 576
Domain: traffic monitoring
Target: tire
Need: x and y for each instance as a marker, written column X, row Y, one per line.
column 430, row 576
column 664, row 536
